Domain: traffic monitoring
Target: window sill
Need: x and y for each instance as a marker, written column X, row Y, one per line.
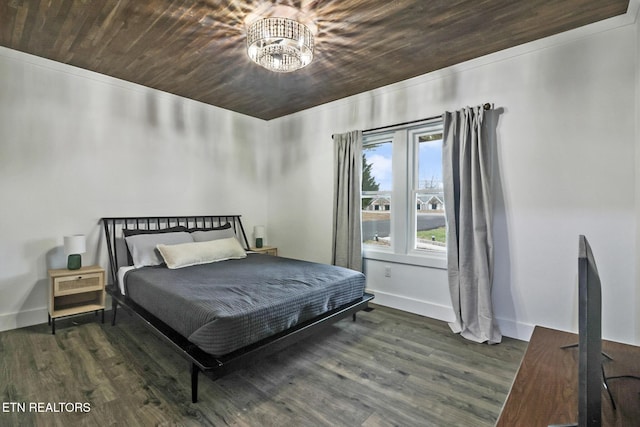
column 431, row 260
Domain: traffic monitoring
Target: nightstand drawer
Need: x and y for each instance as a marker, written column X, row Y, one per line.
column 77, row 284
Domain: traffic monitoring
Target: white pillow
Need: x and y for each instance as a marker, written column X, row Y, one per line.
column 187, row 254
column 143, row 246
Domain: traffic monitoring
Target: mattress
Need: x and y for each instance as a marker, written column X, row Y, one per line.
column 224, row 306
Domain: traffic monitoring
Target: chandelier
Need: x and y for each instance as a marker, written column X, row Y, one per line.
column 279, row 44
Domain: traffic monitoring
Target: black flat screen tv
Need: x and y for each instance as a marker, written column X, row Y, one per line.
column 590, row 338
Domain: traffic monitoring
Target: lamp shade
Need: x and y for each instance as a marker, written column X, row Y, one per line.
column 75, row 244
column 258, row 233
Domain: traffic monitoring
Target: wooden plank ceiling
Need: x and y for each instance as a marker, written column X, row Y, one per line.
column 196, row 49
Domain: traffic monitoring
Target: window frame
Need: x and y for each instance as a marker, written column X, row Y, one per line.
column 432, row 128
column 376, row 139
column 405, row 171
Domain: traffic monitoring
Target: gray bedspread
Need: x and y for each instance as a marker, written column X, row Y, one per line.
column 223, row 306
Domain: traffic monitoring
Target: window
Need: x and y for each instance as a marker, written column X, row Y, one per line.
column 430, row 224
column 377, row 183
column 402, row 192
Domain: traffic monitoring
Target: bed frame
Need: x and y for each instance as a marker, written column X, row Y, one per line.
column 214, row 367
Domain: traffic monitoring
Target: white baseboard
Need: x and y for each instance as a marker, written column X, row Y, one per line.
column 23, row 319
column 508, row 328
column 513, row 329
column 423, row 308
column 32, row 317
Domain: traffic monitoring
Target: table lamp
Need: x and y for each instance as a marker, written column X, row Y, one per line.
column 258, row 233
column 73, row 247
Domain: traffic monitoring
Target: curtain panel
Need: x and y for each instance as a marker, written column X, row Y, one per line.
column 347, row 227
column 467, row 165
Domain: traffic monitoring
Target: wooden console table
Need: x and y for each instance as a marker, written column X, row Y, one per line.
column 545, row 390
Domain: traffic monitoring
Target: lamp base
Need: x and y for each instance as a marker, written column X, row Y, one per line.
column 74, row 262
column 259, row 242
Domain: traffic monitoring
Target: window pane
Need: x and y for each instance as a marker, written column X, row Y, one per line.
column 431, row 231
column 429, row 200
column 430, row 162
column 376, row 193
column 376, row 219
column 376, row 167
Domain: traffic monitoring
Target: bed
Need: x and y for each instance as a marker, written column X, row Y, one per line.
column 194, row 281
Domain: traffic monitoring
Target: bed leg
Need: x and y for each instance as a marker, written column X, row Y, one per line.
column 354, row 317
column 194, row 382
column 114, row 311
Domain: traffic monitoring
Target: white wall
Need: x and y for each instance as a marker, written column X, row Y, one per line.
column 567, row 143
column 76, row 146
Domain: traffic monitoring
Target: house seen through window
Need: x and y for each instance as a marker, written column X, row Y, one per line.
column 402, row 193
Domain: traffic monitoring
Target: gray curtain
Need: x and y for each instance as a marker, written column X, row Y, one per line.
column 467, row 155
column 347, row 229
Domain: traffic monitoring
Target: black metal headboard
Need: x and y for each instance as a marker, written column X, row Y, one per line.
column 115, row 239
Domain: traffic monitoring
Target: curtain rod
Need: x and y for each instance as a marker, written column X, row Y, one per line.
column 486, row 106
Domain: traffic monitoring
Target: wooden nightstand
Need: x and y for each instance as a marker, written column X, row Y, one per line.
column 269, row 250
column 75, row 292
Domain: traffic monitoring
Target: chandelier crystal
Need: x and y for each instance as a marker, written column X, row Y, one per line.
column 279, row 44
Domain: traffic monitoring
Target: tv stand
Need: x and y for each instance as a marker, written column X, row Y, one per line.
column 605, row 384
column 575, row 345
column 545, row 390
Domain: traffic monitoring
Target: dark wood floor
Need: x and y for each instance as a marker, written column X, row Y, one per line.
column 389, row 368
